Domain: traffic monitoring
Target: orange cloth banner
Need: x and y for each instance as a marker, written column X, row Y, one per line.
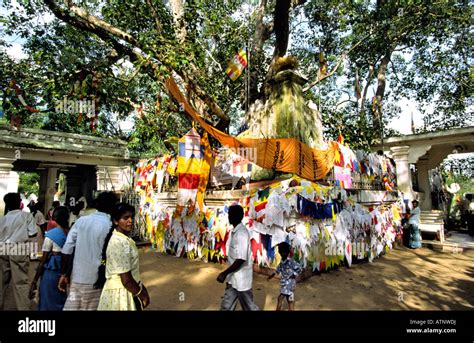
column 205, row 169
column 282, row 154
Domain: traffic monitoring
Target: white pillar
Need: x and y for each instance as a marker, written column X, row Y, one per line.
column 424, row 184
column 51, row 178
column 9, row 180
column 118, row 177
column 404, row 184
column 101, row 178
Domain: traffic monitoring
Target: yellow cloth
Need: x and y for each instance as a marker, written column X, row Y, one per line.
column 204, row 172
column 286, row 154
column 189, row 165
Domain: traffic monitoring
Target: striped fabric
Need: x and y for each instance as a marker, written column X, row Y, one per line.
column 190, row 162
column 237, row 65
column 82, row 297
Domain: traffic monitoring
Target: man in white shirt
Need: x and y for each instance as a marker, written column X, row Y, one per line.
column 239, row 274
column 86, row 240
column 16, row 229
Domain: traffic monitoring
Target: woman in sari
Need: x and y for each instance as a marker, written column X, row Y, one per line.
column 49, row 269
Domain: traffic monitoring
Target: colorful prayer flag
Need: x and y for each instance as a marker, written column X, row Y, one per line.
column 194, row 158
column 189, row 167
column 237, row 65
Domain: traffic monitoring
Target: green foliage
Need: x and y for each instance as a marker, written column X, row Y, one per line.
column 29, row 183
column 429, row 44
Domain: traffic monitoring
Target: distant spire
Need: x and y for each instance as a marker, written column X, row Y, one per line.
column 412, row 124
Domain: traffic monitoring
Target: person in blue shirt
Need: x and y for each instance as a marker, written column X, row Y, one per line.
column 289, row 270
column 49, row 269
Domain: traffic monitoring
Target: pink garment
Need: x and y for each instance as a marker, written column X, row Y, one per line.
column 51, row 225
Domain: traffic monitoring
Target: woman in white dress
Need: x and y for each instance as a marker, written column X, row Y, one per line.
column 123, row 289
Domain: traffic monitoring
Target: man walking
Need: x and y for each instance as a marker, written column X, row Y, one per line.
column 16, row 228
column 239, row 274
column 86, row 240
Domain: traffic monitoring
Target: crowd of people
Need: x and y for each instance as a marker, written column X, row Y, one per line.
column 88, row 263
column 93, row 264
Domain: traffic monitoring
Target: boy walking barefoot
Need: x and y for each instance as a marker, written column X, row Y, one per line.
column 289, row 270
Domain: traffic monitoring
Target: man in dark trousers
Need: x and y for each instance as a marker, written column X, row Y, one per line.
column 239, row 274
column 17, row 227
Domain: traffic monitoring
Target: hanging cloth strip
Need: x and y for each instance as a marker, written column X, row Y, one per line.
column 204, row 173
column 190, row 161
column 287, row 154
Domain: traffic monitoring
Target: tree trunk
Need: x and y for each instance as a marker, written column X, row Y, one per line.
column 364, row 94
column 379, row 94
column 262, row 33
column 180, row 26
column 81, row 19
column 281, row 23
column 281, row 28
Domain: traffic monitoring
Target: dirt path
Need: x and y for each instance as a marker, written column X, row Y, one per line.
column 404, row 279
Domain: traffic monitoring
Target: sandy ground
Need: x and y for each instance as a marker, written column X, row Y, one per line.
column 403, row 279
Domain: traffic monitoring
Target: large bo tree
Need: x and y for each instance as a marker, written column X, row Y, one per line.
column 412, row 45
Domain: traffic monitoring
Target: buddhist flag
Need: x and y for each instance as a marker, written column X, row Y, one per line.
column 323, row 65
column 237, row 65
column 412, row 124
column 190, row 159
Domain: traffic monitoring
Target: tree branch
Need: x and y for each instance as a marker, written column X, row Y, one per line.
column 334, row 70
column 88, row 20
column 281, row 27
column 364, row 94
column 395, row 71
column 262, row 33
column 344, row 101
column 154, row 13
column 79, row 18
column 177, row 12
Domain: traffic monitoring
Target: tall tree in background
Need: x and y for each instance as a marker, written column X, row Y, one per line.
column 398, row 48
